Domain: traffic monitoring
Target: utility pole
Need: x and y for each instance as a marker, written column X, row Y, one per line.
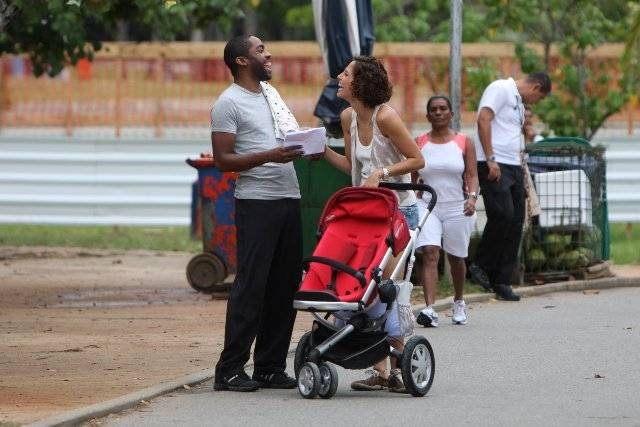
column 455, row 61
column 455, row 81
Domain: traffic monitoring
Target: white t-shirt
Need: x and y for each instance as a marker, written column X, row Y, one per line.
column 444, row 167
column 503, row 99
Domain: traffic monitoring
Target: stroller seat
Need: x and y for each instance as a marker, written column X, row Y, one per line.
column 357, row 228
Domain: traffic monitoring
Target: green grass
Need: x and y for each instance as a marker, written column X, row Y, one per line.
column 443, row 290
column 103, row 237
column 625, row 243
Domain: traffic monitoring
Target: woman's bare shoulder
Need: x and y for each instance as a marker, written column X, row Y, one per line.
column 387, row 117
column 346, row 114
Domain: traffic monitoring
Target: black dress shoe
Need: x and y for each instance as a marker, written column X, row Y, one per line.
column 236, row 382
column 278, row 379
column 479, row 277
column 506, row 293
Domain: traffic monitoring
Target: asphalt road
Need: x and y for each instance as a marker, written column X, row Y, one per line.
column 561, row 359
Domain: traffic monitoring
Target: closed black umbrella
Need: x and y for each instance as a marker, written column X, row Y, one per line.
column 344, row 29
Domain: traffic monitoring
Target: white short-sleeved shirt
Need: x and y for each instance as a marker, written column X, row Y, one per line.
column 444, row 167
column 247, row 115
column 503, row 99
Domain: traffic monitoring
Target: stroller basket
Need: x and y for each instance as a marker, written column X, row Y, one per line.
column 360, row 351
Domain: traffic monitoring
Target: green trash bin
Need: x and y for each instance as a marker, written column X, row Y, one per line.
column 318, row 181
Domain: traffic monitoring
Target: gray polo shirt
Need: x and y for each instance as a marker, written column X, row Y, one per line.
column 247, row 115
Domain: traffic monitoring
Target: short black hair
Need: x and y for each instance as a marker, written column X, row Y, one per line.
column 371, row 83
column 237, row 46
column 434, row 97
column 541, row 78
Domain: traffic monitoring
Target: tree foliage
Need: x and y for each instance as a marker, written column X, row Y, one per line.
column 586, row 92
column 479, row 75
column 554, row 21
column 299, row 19
column 278, row 19
column 56, row 32
column 631, row 57
column 426, row 20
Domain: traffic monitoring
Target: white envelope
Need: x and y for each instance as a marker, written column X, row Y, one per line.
column 312, row 140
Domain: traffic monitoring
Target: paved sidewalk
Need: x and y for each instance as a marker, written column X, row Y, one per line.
column 557, row 359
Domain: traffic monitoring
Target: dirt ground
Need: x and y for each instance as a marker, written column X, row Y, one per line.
column 81, row 326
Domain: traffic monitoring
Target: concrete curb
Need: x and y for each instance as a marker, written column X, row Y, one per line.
column 531, row 291
column 127, row 401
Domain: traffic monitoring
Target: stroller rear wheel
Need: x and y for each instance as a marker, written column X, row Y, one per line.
column 418, row 366
column 302, row 351
column 328, row 380
column 309, row 382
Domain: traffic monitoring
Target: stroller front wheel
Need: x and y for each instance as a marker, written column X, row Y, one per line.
column 418, row 366
column 302, row 351
column 309, row 382
column 328, row 380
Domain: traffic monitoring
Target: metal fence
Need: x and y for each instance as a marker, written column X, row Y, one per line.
column 88, row 181
column 146, row 182
column 623, row 178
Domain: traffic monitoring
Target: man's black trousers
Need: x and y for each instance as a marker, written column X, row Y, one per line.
column 260, row 305
column 504, row 202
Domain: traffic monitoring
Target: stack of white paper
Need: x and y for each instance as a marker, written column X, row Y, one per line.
column 312, row 140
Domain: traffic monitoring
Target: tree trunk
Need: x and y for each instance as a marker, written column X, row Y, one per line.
column 250, row 21
column 122, row 33
column 547, row 56
column 197, row 35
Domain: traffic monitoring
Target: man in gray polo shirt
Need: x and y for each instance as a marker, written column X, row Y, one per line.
column 500, row 127
column 268, row 224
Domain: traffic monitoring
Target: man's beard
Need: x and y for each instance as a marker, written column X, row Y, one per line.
column 259, row 71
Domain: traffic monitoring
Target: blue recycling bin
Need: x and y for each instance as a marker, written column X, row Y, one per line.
column 214, row 209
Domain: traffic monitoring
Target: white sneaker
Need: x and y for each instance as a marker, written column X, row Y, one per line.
column 459, row 313
column 428, row 318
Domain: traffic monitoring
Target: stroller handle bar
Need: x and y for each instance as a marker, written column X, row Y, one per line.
column 413, row 187
column 337, row 265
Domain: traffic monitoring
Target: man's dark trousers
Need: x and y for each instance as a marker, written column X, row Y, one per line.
column 504, row 202
column 260, row 303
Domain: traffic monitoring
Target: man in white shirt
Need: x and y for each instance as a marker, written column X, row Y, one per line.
column 500, row 126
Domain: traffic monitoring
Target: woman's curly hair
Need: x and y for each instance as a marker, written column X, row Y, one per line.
column 371, row 84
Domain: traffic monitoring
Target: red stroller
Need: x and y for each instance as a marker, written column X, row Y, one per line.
column 360, row 231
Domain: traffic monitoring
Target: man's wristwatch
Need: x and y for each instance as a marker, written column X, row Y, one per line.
column 491, row 159
column 385, row 173
column 472, row 195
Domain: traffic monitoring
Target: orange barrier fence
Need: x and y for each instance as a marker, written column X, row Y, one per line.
column 173, row 85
